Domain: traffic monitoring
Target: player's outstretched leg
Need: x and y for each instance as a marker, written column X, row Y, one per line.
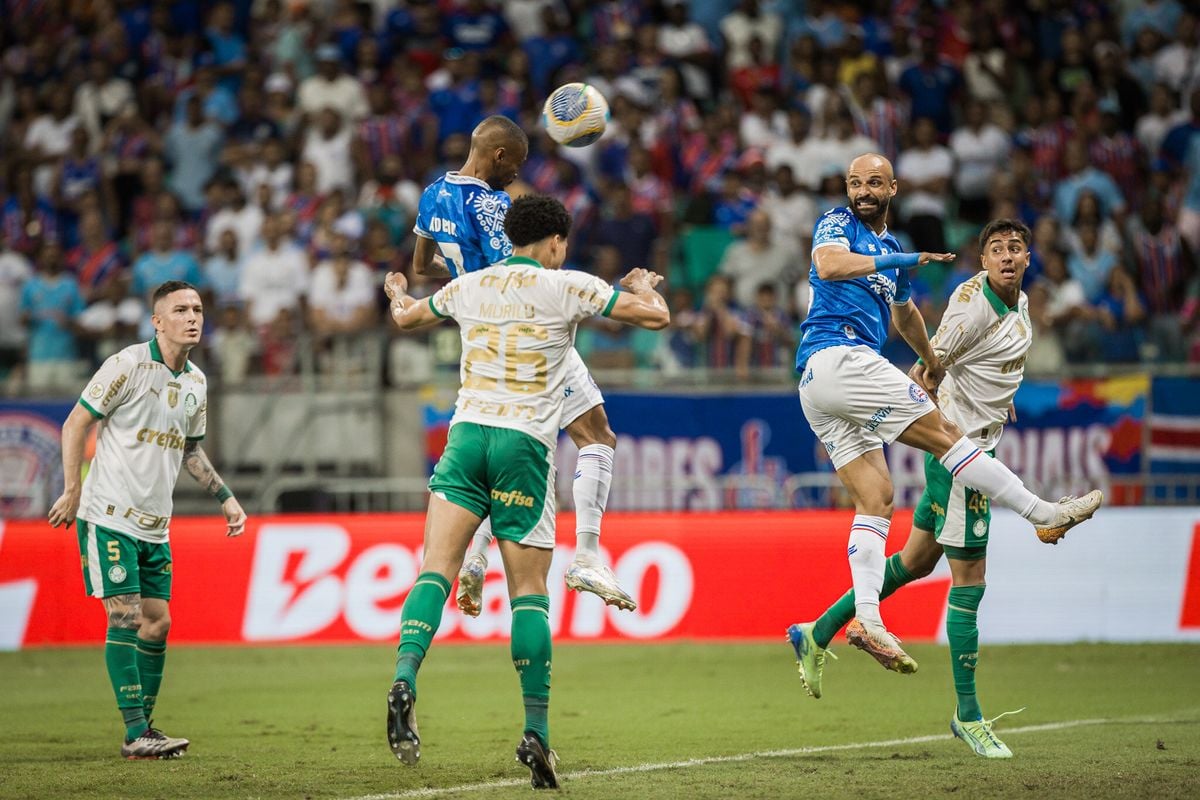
column 419, row 621
column 531, row 655
column 976, row 469
column 469, row 596
column 593, row 478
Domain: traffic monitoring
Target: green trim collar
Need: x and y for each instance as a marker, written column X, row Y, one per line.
column 522, row 261
column 156, row 355
column 997, row 304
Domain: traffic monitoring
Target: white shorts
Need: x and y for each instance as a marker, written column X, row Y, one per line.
column 580, row 392
column 856, row 401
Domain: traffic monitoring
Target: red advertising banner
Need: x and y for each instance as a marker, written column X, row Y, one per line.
column 1128, row 575
column 344, row 578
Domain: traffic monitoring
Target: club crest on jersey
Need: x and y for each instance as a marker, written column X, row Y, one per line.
column 117, row 573
column 189, row 404
column 979, row 528
column 917, row 394
column 95, row 391
column 883, row 286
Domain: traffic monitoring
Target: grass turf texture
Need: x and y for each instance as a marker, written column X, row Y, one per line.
column 302, row 722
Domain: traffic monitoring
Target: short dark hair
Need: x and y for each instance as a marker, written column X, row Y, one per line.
column 536, row 217
column 1003, row 226
column 167, row 288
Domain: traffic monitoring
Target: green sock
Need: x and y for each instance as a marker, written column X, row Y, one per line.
column 420, row 618
column 841, row 612
column 530, row 648
column 150, row 659
column 120, row 656
column 962, row 631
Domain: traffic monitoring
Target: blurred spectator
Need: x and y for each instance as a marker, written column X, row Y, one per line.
column 223, row 269
column 472, row 25
column 842, row 142
column 1081, row 177
column 1176, row 64
column 748, row 22
column 101, row 98
column 1066, row 309
column 722, row 332
column 272, row 171
column 49, row 137
column 328, row 147
column 15, row 273
column 1120, row 311
column 192, row 147
column 631, row 233
column 50, row 304
column 1115, row 151
column 235, row 214
column 931, row 86
column 1165, row 265
column 764, row 122
column 164, row 262
column 275, row 282
column 27, row 218
column 757, row 260
column 988, row 72
column 1089, row 263
column 332, row 88
column 925, row 171
column 980, row 148
column 1162, row 16
column 233, row 344
column 1178, row 141
column 801, row 151
column 684, row 42
column 1087, row 212
column 771, row 330
column 734, row 204
column 96, row 262
column 1152, row 127
column 79, row 175
column 341, row 295
column 793, row 215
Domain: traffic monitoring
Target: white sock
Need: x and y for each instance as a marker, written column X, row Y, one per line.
column 481, row 539
column 976, row 469
column 593, row 477
column 868, row 536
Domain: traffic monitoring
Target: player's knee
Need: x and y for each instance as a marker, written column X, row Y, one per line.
column 920, row 565
column 592, row 428
column 156, row 630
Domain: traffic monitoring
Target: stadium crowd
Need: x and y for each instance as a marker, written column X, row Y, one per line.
column 272, row 153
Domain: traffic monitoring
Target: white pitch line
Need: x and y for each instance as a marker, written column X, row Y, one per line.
column 701, row 762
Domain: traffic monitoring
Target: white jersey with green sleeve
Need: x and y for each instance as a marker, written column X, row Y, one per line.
column 982, row 343
column 147, row 413
column 517, row 323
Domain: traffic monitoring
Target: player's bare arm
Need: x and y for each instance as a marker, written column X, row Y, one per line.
column 74, row 436
column 911, row 325
column 641, row 305
column 408, row 313
column 198, row 465
column 428, row 261
column 836, row 263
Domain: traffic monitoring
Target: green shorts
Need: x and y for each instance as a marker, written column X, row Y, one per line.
column 116, row 563
column 958, row 515
column 503, row 474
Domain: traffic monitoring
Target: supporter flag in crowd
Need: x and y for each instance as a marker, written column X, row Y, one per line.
column 1175, row 432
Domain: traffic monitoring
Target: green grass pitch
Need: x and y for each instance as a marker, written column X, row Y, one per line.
column 638, row 721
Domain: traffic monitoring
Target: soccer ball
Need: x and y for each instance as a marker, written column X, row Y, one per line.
column 575, row 114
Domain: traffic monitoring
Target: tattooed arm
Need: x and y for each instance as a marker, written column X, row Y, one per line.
column 196, row 462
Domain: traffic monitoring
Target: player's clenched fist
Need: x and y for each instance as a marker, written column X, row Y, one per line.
column 639, row 279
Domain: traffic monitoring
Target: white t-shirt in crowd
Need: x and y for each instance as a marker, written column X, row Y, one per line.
column 979, row 154
column 274, row 280
column 332, row 159
column 341, row 301
column 920, row 166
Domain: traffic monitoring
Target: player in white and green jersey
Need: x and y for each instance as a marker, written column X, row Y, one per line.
column 982, row 342
column 150, row 403
column 517, row 321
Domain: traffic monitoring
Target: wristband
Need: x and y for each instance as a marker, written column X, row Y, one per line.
column 897, row 261
column 224, row 494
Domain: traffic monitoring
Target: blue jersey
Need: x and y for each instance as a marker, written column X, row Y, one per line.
column 856, row 311
column 465, row 217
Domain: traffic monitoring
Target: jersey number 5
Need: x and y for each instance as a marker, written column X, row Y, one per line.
column 490, row 336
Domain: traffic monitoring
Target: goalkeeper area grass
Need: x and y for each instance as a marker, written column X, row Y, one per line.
column 679, row 720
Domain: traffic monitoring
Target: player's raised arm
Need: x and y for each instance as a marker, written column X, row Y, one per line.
column 836, row 263
column 642, row 305
column 428, row 261
column 408, row 313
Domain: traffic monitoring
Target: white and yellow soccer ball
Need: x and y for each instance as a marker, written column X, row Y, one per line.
column 575, row 114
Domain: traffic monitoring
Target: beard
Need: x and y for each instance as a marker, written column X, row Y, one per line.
column 872, row 215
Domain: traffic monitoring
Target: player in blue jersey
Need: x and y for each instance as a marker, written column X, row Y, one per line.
column 460, row 229
column 855, row 401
